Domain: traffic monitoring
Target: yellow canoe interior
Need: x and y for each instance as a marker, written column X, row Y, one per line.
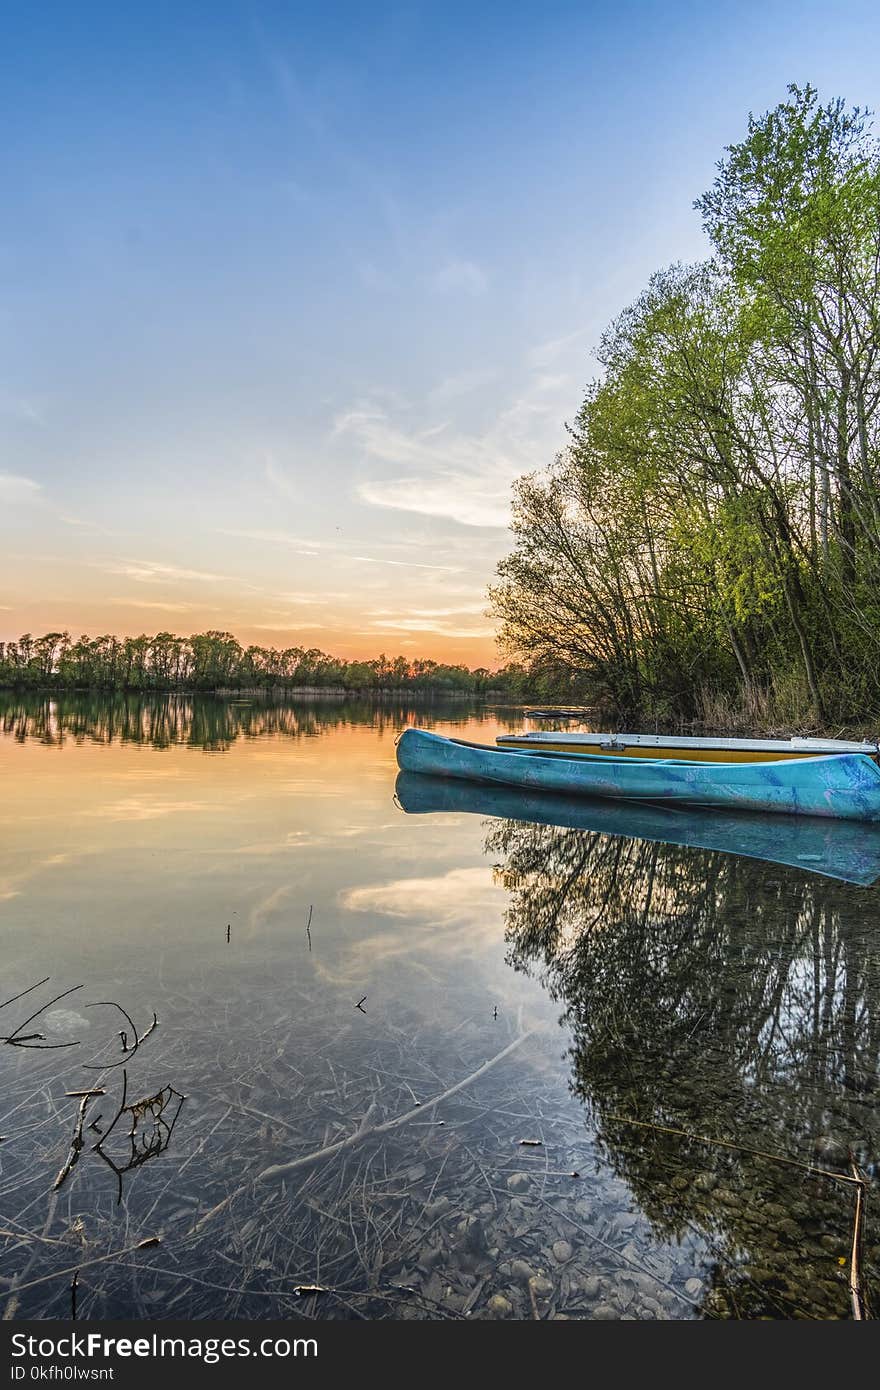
column 660, row 750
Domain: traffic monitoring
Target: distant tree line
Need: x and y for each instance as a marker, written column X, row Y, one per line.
column 708, row 545
column 211, row 661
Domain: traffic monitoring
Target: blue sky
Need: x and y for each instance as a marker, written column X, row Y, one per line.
column 290, row 293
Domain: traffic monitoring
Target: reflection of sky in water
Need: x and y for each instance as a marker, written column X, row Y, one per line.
column 123, row 848
column 122, row 864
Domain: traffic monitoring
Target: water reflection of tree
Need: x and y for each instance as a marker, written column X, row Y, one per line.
column 726, row 999
column 201, row 721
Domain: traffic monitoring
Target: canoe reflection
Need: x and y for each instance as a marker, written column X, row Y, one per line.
column 845, row 850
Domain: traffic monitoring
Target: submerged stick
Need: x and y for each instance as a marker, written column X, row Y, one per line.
column 77, row 1270
column 857, row 1294
column 740, row 1148
column 365, row 1131
column 280, row 1170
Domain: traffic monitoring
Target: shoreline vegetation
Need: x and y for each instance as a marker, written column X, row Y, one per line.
column 215, row 663
column 707, row 546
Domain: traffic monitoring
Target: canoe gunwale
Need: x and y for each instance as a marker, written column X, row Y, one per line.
column 834, row 786
column 797, row 744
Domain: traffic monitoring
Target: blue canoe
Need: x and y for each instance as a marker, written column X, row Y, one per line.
column 845, row 850
column 845, row 786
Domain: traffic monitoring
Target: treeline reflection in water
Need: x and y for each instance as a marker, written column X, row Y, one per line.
column 725, row 1014
column 211, row 722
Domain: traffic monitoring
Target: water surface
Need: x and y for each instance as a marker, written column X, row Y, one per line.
column 680, row 1020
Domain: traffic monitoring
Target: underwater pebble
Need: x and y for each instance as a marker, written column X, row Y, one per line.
column 540, row 1287
column 603, row 1312
column 499, row 1306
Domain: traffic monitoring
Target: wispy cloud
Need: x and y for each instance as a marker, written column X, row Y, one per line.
column 17, row 407
column 458, row 913
column 458, row 475
column 434, row 620
column 462, row 276
column 267, row 908
column 437, row 626
column 470, row 501
column 276, row 476
column 307, row 600
column 545, row 354
column 152, row 572
column 82, row 525
column 302, row 547
column 430, row 612
column 453, row 388
column 330, row 549
column 460, row 895
column 403, row 564
column 292, row 625
column 154, row 603
column 16, row 488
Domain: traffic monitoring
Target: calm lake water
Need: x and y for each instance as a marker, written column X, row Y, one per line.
column 674, row 1020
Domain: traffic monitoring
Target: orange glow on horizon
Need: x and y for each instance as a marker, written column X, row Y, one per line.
column 349, row 642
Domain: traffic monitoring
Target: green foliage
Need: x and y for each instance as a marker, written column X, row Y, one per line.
column 714, row 524
column 210, row 661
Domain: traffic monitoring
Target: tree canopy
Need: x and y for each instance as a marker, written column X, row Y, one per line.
column 710, row 538
column 210, row 661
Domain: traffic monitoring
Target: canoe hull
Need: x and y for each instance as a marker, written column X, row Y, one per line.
column 845, row 787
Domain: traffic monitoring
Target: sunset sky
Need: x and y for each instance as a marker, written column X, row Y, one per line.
column 290, row 293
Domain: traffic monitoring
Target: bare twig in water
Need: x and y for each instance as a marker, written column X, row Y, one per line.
column 128, row 1050
column 77, row 1143
column 30, row 989
column 740, row 1148
column 17, row 1039
column 856, row 1289
column 309, row 927
column 73, row 1269
column 142, row 1146
column 535, row 1314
